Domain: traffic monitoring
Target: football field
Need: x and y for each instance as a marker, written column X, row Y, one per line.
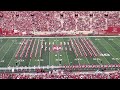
column 55, row 51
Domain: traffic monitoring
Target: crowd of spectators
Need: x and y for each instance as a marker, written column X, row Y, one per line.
column 62, row 75
column 56, row 21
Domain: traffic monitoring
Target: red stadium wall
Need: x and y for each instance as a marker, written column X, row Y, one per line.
column 112, row 31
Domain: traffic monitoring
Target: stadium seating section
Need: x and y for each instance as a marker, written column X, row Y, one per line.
column 61, row 75
column 59, row 23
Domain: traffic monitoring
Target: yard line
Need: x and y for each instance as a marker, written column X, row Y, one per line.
column 7, row 51
column 98, row 50
column 37, row 48
column 92, row 50
column 29, row 62
column 31, row 53
column 19, row 61
column 90, row 54
column 114, row 49
column 74, row 49
column 4, row 44
column 108, row 51
column 41, row 47
column 25, row 47
column 82, row 49
column 37, row 51
column 49, row 53
column 77, row 47
column 99, row 62
column 116, row 43
column 111, row 46
column 116, row 38
column 66, row 54
column 28, row 49
column 14, row 54
column 23, row 41
column 81, row 46
column 57, row 53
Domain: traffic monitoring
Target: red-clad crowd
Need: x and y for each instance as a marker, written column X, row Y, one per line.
column 61, row 75
column 25, row 22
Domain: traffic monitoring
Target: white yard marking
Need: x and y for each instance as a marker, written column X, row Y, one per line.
column 7, row 51
column 106, row 49
column 66, row 54
column 49, row 53
column 115, row 43
column 19, row 61
column 14, row 55
column 100, row 51
column 41, row 47
column 109, row 52
column 99, row 62
column 39, row 60
column 58, row 52
column 29, row 62
column 83, row 50
column 53, row 43
column 4, row 44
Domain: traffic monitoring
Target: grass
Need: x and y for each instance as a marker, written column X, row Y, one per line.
column 105, row 45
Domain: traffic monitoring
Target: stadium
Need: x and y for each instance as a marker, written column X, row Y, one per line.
column 59, row 44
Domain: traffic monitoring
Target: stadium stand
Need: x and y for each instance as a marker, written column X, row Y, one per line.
column 58, row 74
column 58, row 23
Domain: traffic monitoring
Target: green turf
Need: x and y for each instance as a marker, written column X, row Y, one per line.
column 9, row 48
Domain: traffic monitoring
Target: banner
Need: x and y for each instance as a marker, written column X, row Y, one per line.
column 113, row 30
